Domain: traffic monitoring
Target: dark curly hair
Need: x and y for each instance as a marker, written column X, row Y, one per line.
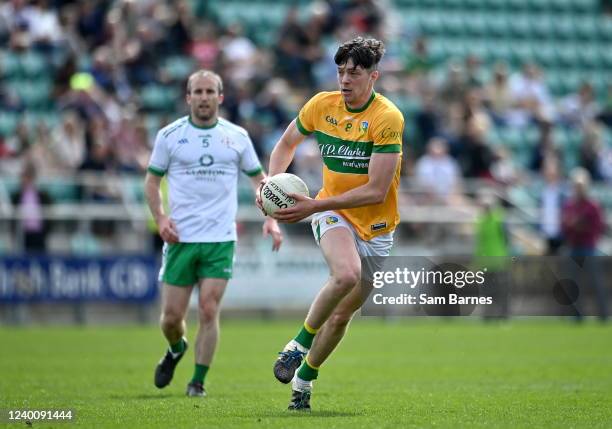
column 364, row 52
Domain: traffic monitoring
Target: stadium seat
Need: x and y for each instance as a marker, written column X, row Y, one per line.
column 497, row 25
column 34, row 94
column 178, row 67
column 563, row 28
column 8, row 123
column 520, row 26
column 9, row 64
column 158, row 98
column 33, row 64
column 542, row 26
column 585, row 27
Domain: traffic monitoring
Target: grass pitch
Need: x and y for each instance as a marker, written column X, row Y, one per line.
column 411, row 373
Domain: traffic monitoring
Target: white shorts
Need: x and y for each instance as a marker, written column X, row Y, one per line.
column 377, row 246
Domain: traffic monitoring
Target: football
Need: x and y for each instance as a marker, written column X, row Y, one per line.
column 276, row 190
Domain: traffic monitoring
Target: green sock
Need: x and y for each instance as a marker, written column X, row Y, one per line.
column 178, row 347
column 199, row 374
column 306, row 335
column 306, row 372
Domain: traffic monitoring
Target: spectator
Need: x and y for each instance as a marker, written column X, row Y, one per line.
column 583, row 226
column 497, row 95
column 296, row 52
column 438, row 174
column 583, row 221
column 474, row 154
column 239, row 54
column 68, row 142
column 545, row 147
column 473, row 72
column 552, row 200
column 530, row 96
column 580, row 108
column 418, row 62
column 592, row 151
column 30, row 203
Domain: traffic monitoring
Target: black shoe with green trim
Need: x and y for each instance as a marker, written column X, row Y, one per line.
column 165, row 368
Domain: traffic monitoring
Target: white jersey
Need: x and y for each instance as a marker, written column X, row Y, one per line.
column 202, row 166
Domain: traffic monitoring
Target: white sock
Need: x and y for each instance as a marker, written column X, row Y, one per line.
column 301, row 385
column 291, row 345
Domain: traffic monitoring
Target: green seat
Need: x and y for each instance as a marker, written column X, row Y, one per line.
column 585, row 6
column 567, row 55
column 605, row 56
column 585, row 27
column 521, row 53
column 542, row 26
column 34, row 94
column 476, row 25
column 517, row 5
column 8, row 123
column 9, row 64
column 33, row 64
column 179, row 68
column 158, row 98
column 588, row 56
column 539, row 5
column 545, row 55
column 61, row 190
column 570, row 81
column 499, row 51
column 561, row 5
column 564, row 28
column 431, row 24
column 604, row 27
column 512, row 138
column 520, row 26
column 497, row 25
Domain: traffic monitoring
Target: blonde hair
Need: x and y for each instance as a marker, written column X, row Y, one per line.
column 205, row 73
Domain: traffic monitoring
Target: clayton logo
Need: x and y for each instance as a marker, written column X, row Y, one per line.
column 206, row 160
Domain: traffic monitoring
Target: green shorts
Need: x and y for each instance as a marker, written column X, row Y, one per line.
column 183, row 264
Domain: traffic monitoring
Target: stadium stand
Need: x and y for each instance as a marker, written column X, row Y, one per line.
column 506, row 83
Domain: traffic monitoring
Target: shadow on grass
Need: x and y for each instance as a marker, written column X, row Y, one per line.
column 304, row 414
column 146, row 396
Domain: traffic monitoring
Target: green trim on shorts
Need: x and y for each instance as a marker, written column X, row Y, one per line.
column 185, row 263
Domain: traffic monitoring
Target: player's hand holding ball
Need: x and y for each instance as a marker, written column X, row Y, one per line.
column 285, row 198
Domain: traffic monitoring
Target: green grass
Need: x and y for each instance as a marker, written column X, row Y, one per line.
column 413, row 373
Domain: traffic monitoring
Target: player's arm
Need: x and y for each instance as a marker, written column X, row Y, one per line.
column 167, row 228
column 281, row 156
column 270, row 226
column 283, row 152
column 381, row 171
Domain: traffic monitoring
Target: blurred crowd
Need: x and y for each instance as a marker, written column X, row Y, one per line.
column 104, row 56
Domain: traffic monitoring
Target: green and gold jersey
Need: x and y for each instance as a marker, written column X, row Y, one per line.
column 347, row 138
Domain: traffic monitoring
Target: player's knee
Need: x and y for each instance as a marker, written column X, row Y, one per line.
column 171, row 320
column 345, row 279
column 208, row 313
column 339, row 320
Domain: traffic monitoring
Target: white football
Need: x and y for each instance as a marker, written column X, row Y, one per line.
column 275, row 192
